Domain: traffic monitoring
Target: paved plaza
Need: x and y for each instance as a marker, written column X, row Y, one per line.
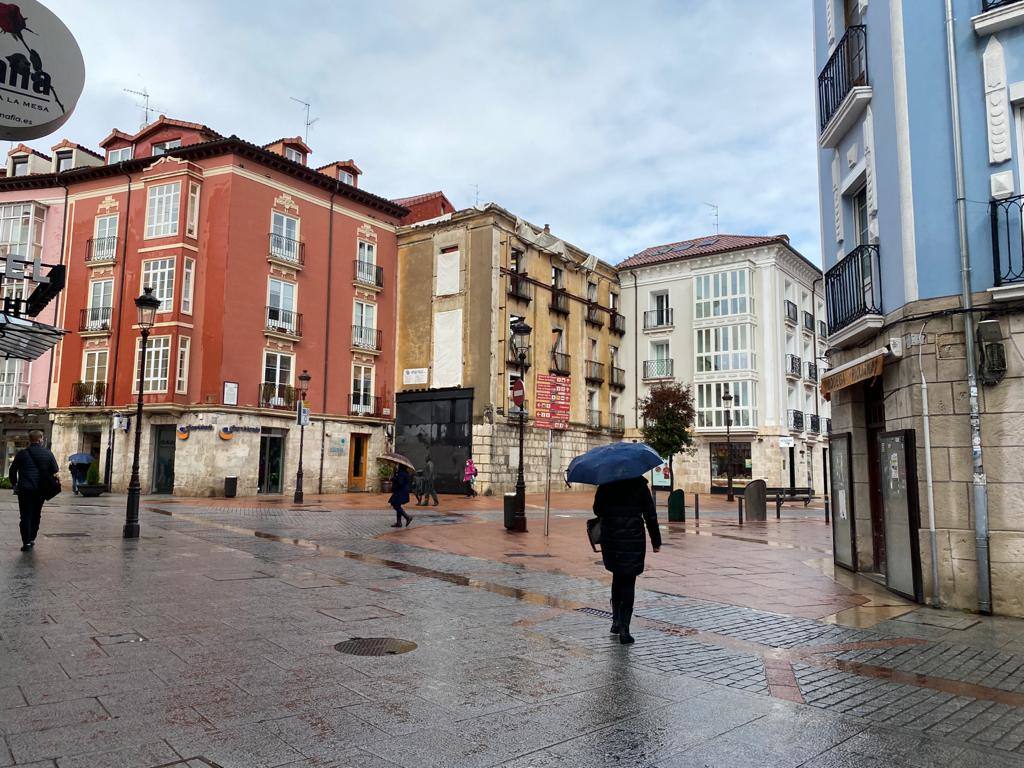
column 223, row 637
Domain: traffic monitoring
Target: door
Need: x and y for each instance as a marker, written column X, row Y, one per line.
column 364, row 325
column 874, row 416
column 843, row 521
column 792, row 467
column 898, row 472
column 105, row 243
column 163, row 459
column 271, row 468
column 284, row 241
column 357, row 462
column 366, row 263
column 281, row 306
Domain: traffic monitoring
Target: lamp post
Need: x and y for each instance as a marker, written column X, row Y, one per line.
column 304, row 379
column 521, row 347
column 146, row 306
column 727, row 399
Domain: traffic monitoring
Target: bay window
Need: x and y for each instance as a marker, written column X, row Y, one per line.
column 158, row 274
column 711, row 410
column 163, row 204
column 725, row 348
column 723, row 293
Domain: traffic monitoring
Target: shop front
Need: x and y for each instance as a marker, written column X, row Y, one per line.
column 724, row 455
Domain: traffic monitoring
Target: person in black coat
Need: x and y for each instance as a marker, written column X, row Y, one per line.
column 400, row 483
column 31, row 471
column 625, row 508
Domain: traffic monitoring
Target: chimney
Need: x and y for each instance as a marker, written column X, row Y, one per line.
column 547, row 229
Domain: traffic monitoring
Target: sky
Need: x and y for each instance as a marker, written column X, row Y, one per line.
column 615, row 123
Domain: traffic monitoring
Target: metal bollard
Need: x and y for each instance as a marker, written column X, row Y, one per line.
column 684, row 506
column 696, row 506
column 778, row 507
column 739, row 508
column 826, row 509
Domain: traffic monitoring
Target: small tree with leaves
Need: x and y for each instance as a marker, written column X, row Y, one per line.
column 667, row 416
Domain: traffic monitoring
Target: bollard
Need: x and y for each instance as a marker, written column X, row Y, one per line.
column 739, row 508
column 826, row 509
column 778, row 507
column 696, row 506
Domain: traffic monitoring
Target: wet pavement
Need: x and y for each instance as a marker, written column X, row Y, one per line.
column 211, row 641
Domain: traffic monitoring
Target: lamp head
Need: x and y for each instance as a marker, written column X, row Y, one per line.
column 304, row 379
column 147, row 305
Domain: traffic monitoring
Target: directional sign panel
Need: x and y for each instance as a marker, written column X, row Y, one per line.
column 554, row 393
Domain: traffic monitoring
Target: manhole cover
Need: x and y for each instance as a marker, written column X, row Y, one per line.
column 375, row 646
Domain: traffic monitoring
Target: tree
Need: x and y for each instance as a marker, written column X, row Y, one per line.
column 667, row 416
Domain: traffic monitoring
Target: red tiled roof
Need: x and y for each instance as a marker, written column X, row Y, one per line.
column 699, row 246
column 160, row 122
column 290, row 140
column 405, row 202
column 68, row 144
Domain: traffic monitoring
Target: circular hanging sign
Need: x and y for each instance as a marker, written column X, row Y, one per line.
column 42, row 72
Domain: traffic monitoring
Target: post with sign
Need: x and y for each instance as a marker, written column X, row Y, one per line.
column 520, row 331
column 554, row 393
column 301, row 419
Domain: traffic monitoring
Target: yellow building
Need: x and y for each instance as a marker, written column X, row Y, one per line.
column 463, row 278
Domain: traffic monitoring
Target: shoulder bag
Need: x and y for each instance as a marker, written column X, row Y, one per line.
column 594, row 532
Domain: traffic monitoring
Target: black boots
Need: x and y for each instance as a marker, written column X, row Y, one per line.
column 620, row 626
column 624, row 637
column 615, row 620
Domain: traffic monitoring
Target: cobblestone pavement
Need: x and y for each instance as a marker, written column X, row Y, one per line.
column 210, row 642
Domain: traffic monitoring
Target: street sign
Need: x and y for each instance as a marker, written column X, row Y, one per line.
column 554, row 394
column 302, row 414
column 518, row 393
column 787, row 442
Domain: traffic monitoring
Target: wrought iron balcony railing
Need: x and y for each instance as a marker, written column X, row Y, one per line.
column 595, row 316
column 101, row 249
column 366, row 338
column 286, row 249
column 989, row 5
column 823, row 329
column 560, row 302
column 362, row 404
column 852, row 288
column 1007, row 240
column 796, row 421
column 828, row 426
column 593, row 419
column 658, row 318
column 369, row 274
column 279, row 396
column 808, row 321
column 793, row 366
column 846, row 69
column 520, row 288
column 813, row 423
column 810, row 371
column 618, row 324
column 618, row 423
column 658, row 369
column 594, row 371
column 88, row 393
column 95, row 318
column 791, row 311
column 618, row 378
column 284, row 321
column 560, row 363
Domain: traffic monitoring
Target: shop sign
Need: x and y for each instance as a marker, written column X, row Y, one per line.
column 228, row 432
column 787, row 442
column 846, row 377
column 185, row 430
column 415, row 375
column 42, row 72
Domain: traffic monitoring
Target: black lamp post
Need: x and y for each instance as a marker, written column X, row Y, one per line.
column 521, row 347
column 727, row 399
column 304, row 378
column 146, row 306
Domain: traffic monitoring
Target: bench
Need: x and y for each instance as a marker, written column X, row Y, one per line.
column 778, row 495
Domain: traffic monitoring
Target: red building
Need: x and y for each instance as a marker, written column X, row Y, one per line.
column 266, row 268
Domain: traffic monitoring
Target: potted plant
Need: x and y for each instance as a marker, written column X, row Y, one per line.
column 384, row 471
column 92, row 486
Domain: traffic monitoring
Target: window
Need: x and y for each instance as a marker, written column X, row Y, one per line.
column 158, row 274
column 119, row 155
column 181, row 380
column 13, row 382
column 447, row 269
column 64, row 160
column 366, row 258
column 158, row 363
column 101, row 299
column 187, row 280
column 591, row 291
column 164, row 147
column 556, row 278
column 281, row 305
column 104, row 245
column 661, row 309
column 20, row 166
column 613, row 301
column 559, row 336
column 284, row 236
column 277, row 369
column 364, row 325
column 860, row 216
column 362, row 389
column 346, row 177
column 192, row 214
column 21, row 230
column 294, row 155
column 725, row 348
column 517, row 260
column 711, row 411
column 13, row 289
column 162, row 210
column 659, row 350
column 723, row 293
column 94, row 367
column 613, row 356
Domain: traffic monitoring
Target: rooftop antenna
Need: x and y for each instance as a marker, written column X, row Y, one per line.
column 714, row 212
column 476, row 188
column 145, row 106
column 308, row 121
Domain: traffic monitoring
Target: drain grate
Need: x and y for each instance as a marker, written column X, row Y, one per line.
column 595, row 612
column 192, row 762
column 375, row 646
column 525, row 554
column 65, row 535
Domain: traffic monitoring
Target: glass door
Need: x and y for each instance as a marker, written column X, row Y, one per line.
column 271, row 464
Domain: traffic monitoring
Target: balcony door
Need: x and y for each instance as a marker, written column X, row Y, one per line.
column 660, row 306
column 101, row 300
column 281, row 305
column 94, row 378
column 364, row 325
column 277, row 375
column 284, row 241
column 105, row 241
column 366, row 263
column 362, row 389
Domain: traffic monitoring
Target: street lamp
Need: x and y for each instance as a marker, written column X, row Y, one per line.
column 146, row 306
column 304, row 378
column 521, row 348
column 727, row 399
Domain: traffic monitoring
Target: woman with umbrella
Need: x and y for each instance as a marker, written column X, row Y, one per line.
column 624, row 507
column 78, row 466
column 400, row 482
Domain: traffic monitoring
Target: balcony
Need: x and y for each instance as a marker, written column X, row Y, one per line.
column 813, row 424
column 618, row 425
column 365, row 339
column 595, row 316
column 990, row 5
column 810, row 372
column 823, row 329
column 792, row 367
column 618, row 324
column 796, row 421
column 594, row 372
column 658, row 318
column 1007, row 247
column 618, row 378
column 560, row 363
column 559, row 301
column 101, row 250
column 658, row 369
column 997, row 15
column 844, row 90
column 853, row 295
column 286, row 251
column 367, row 275
column 279, row 396
column 593, row 419
column 283, row 322
column 520, row 288
column 95, row 319
column 513, row 359
column 790, row 310
column 88, row 393
column 808, row 321
column 361, row 404
column 828, row 426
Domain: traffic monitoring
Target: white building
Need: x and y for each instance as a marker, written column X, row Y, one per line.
column 735, row 314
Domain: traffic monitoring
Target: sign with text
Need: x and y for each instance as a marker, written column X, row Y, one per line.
column 554, row 394
column 415, row 375
column 302, row 414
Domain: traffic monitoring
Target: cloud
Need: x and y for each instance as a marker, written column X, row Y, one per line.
column 612, row 122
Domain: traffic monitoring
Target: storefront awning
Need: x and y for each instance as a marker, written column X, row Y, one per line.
column 24, row 339
column 849, row 374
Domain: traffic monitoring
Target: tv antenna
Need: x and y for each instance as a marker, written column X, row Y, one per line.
column 714, row 213
column 476, row 188
column 309, row 122
column 145, row 106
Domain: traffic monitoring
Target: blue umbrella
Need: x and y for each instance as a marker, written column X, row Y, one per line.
column 80, row 458
column 608, row 463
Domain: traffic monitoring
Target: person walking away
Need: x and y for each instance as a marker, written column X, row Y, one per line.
column 77, row 471
column 469, row 478
column 427, row 490
column 625, row 507
column 33, row 476
column 400, row 495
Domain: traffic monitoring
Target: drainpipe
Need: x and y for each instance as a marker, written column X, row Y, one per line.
column 929, row 485
column 636, row 353
column 980, row 481
column 56, row 309
column 108, row 469
column 327, row 332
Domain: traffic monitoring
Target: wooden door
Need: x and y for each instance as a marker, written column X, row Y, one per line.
column 357, row 462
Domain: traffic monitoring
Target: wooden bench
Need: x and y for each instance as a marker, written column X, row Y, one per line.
column 778, row 495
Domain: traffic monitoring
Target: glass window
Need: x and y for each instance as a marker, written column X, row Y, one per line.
column 725, row 348
column 362, row 388
column 158, row 274
column 346, row 177
column 104, row 246
column 281, row 304
column 64, row 161
column 94, row 367
column 591, row 291
column 21, row 230
column 860, row 217
column 101, row 293
column 181, row 380
column 723, row 293
column 366, row 257
column 187, row 282
column 294, row 155
column 277, row 368
column 20, row 166
column 742, row 466
column 659, row 350
column 158, row 363
column 556, row 278
column 192, row 215
column 711, row 410
column 163, row 147
column 284, row 236
column 119, row 155
column 162, row 209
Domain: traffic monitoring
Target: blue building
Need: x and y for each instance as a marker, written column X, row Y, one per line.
column 915, row 357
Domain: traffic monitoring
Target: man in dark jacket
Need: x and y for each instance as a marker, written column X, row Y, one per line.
column 31, row 471
column 427, row 490
column 400, row 495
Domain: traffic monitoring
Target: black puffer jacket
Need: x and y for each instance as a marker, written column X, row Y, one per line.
column 625, row 507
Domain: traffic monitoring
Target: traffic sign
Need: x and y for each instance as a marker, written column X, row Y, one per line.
column 518, row 393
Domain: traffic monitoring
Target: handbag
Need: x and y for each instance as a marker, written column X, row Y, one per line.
column 49, row 485
column 594, row 532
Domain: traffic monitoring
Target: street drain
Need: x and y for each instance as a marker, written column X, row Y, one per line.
column 192, row 762
column 65, row 535
column 525, row 554
column 595, row 612
column 375, row 646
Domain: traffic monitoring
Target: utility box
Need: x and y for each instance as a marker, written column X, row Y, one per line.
column 230, row 487
column 677, row 506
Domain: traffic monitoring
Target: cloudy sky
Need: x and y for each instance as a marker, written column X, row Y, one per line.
column 613, row 122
